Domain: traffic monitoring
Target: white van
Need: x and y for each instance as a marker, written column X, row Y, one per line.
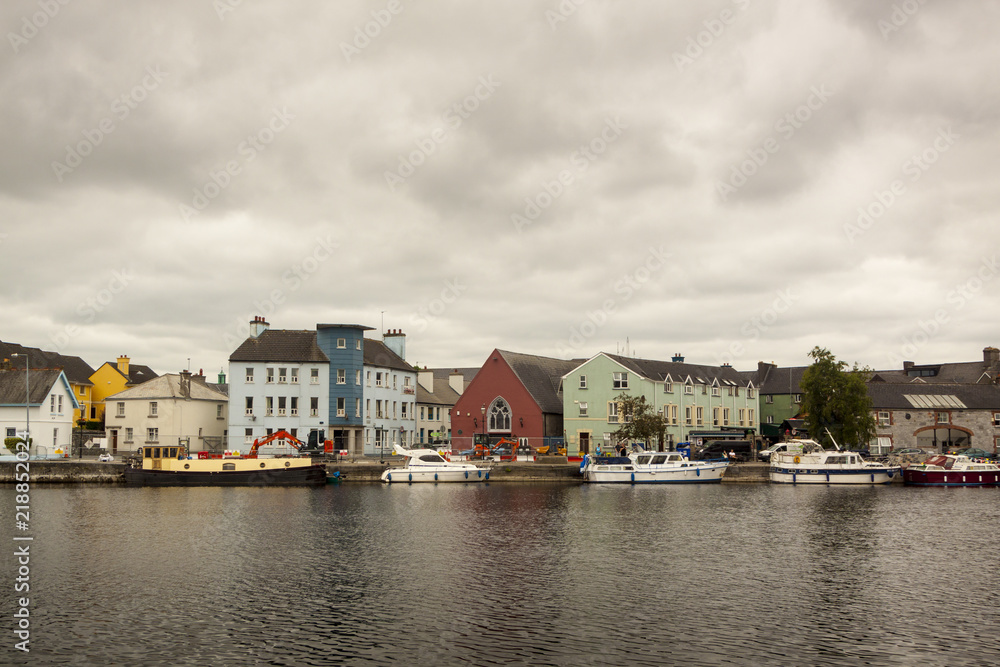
column 780, row 448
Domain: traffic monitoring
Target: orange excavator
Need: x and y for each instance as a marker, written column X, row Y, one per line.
column 280, row 434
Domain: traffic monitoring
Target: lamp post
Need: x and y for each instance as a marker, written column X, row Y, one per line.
column 27, row 399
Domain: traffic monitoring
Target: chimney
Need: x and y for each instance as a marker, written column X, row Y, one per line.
column 425, row 379
column 123, row 365
column 185, row 384
column 395, row 340
column 907, row 365
column 258, row 325
column 456, row 381
column 991, row 356
column 677, row 358
column 222, row 377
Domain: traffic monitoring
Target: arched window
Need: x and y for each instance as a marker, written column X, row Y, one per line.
column 500, row 416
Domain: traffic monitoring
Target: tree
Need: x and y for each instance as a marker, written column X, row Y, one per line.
column 836, row 398
column 638, row 421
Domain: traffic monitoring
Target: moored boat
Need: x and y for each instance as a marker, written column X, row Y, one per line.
column 952, row 470
column 427, row 465
column 815, row 465
column 168, row 466
column 642, row 467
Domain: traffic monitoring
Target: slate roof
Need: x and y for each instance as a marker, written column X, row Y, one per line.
column 892, row 396
column 782, row 380
column 378, row 354
column 12, row 387
column 281, row 345
column 678, row 371
column 971, row 372
column 443, row 393
column 541, row 376
column 169, row 386
column 77, row 370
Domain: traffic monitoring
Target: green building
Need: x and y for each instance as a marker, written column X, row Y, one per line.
column 699, row 402
column 780, row 397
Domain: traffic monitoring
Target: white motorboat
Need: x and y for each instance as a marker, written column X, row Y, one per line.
column 952, row 470
column 816, row 465
column 427, row 465
column 642, row 467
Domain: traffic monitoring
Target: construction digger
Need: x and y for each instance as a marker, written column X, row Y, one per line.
column 312, row 449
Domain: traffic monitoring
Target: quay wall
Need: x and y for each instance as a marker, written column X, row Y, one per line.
column 87, row 472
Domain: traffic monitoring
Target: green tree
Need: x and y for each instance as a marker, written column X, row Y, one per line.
column 638, row 421
column 835, row 397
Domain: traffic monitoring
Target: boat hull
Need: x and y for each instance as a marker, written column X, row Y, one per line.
column 313, row 475
column 914, row 477
column 411, row 475
column 628, row 474
column 793, row 475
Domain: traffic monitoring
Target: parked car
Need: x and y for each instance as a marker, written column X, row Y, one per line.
column 974, row 453
column 907, row 451
column 779, row 448
column 105, row 458
column 719, row 449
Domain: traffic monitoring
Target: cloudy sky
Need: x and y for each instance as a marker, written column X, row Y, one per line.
column 734, row 180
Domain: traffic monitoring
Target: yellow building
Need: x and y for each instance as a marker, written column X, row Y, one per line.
column 112, row 378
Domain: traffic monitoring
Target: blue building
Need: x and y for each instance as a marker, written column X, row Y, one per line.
column 344, row 346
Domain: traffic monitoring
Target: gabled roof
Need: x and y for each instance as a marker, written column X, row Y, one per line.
column 169, row 386
column 541, row 377
column 40, row 382
column 281, row 345
column 783, row 380
column 680, row 371
column 137, row 373
column 77, row 370
column 970, row 372
column 443, row 394
column 907, row 396
column 379, row 354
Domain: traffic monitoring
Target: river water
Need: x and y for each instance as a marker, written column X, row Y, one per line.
column 508, row 574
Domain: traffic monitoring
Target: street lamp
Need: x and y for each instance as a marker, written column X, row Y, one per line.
column 27, row 399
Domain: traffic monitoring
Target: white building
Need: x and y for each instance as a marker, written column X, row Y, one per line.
column 390, row 395
column 49, row 412
column 278, row 379
column 438, row 390
column 170, row 410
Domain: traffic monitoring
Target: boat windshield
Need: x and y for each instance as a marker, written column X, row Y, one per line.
column 431, row 458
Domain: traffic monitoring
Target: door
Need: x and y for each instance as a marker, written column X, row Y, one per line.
column 114, row 441
column 584, row 443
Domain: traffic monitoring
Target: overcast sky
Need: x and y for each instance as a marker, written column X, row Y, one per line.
column 735, row 181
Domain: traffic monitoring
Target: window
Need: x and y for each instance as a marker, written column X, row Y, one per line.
column 341, row 407
column 282, row 376
column 770, row 419
column 769, row 399
column 751, row 393
column 249, row 406
column 121, row 409
column 422, row 412
column 687, row 415
column 942, row 418
column 403, row 411
column 689, row 389
column 341, row 343
column 750, row 417
column 314, row 406
column 152, row 435
column 249, row 376
column 295, row 375
column 699, row 416
column 357, row 344
column 499, row 416
column 269, row 406
column 743, row 416
column 726, row 416
column 152, row 408
column 368, row 378
column 357, row 378
column 368, row 408
column 583, row 382
column 378, row 379
column 378, row 409
column 313, row 376
column 883, row 418
column 715, row 416
column 294, row 406
column 270, row 376
column 282, row 406
column 612, row 412
column 357, row 407
column 129, row 434
column 996, row 419
column 619, row 381
column 55, row 437
column 797, row 398
column 583, row 408
column 393, row 408
column 668, row 387
column 394, row 376
column 716, row 391
column 673, row 414
column 341, row 376
column 218, row 411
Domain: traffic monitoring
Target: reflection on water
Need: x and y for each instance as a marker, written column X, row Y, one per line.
column 532, row 574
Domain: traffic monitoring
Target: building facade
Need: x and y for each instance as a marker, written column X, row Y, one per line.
column 389, row 394
column 42, row 401
column 110, row 379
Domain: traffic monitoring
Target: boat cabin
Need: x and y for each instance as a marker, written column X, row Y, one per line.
column 659, row 458
column 152, row 457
